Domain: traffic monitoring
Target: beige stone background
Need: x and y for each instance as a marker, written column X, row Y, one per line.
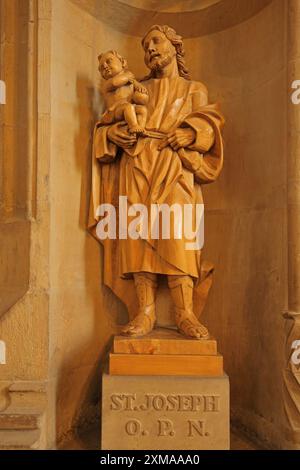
column 57, row 318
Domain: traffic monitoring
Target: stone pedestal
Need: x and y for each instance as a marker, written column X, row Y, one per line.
column 165, row 412
column 165, row 391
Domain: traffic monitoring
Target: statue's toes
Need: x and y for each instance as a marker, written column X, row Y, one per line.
column 196, row 331
column 126, row 330
column 138, row 327
column 134, row 331
column 137, row 331
column 188, row 330
column 202, row 332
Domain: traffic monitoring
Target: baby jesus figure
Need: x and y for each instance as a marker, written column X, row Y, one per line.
column 125, row 98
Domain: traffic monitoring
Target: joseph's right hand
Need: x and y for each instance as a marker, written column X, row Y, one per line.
column 120, row 136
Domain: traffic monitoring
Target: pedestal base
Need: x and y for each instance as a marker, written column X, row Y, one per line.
column 165, row 412
column 165, row 352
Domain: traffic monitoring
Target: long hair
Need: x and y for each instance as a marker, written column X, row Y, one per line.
column 177, row 42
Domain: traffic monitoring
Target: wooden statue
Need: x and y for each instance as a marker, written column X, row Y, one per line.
column 161, row 156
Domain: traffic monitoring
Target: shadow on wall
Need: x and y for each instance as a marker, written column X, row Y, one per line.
column 86, row 412
column 76, row 409
column 87, row 116
column 78, row 394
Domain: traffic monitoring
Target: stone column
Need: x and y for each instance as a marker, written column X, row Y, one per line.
column 292, row 317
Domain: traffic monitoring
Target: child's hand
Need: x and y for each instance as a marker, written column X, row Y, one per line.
column 140, row 88
column 130, row 76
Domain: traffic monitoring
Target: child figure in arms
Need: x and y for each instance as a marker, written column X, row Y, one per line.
column 125, row 98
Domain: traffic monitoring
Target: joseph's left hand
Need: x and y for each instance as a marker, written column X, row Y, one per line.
column 181, row 137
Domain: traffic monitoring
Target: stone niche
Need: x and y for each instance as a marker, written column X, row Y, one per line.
column 238, row 50
column 16, row 138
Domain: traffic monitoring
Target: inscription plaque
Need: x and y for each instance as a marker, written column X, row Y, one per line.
column 165, row 412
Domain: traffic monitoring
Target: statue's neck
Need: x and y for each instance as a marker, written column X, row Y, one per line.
column 169, row 71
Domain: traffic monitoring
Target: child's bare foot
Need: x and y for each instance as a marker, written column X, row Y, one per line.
column 136, row 130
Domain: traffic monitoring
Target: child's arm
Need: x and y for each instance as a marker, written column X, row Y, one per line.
column 140, row 95
column 119, row 81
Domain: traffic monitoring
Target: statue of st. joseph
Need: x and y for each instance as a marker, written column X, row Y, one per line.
column 166, row 170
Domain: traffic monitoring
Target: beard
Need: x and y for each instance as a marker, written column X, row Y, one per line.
column 160, row 63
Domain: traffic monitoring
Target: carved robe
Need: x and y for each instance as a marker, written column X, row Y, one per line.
column 150, row 176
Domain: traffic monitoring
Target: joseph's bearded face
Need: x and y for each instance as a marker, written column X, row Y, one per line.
column 159, row 51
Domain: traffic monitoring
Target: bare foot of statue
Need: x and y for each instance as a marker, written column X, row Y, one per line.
column 140, row 325
column 189, row 325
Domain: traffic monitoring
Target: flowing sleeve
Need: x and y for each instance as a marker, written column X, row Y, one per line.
column 204, row 158
column 104, row 150
column 103, row 177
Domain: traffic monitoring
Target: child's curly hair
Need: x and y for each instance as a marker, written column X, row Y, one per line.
column 115, row 53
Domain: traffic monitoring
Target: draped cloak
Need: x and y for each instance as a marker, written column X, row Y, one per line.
column 147, row 175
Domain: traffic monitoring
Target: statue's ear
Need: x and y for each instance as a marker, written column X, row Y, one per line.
column 100, row 57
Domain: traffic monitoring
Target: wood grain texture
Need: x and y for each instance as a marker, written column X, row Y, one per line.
column 164, row 341
column 164, row 364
